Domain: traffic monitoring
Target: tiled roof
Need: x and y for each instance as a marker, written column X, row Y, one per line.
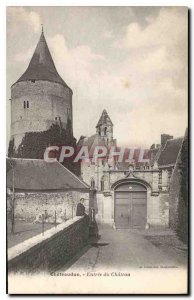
column 41, row 66
column 87, row 141
column 39, row 175
column 170, row 152
column 92, row 141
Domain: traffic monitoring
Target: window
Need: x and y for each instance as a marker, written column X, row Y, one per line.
column 105, row 130
column 57, row 118
column 102, row 184
column 169, row 175
column 160, row 177
column 92, row 183
column 26, row 104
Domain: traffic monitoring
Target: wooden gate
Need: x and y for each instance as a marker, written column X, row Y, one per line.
column 130, row 206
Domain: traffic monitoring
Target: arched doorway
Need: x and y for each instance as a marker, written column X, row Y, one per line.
column 130, row 209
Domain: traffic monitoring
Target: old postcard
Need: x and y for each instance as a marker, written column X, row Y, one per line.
column 97, row 150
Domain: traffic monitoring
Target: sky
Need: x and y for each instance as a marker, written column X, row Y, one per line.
column 131, row 61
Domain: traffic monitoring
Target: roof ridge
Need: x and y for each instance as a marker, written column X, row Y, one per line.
column 73, row 174
column 177, row 138
column 22, row 158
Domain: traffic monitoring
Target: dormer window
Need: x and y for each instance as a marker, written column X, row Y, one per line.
column 160, row 177
column 169, row 175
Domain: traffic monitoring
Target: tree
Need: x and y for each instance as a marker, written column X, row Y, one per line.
column 11, row 148
column 183, row 199
column 34, row 144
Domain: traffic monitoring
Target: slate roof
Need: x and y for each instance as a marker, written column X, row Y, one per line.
column 169, row 153
column 41, row 66
column 104, row 119
column 87, row 141
column 39, row 175
column 91, row 142
column 154, row 155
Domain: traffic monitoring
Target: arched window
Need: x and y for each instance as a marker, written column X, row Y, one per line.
column 92, row 183
column 105, row 130
column 102, row 183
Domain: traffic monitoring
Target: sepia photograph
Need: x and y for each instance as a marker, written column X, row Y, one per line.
column 97, row 150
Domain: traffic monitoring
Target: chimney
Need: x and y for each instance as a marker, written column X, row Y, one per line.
column 164, row 138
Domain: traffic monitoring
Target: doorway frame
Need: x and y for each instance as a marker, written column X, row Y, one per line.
column 131, row 180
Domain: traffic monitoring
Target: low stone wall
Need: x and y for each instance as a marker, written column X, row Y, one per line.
column 51, row 251
column 31, row 206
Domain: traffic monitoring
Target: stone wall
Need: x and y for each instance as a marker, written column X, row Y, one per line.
column 105, row 208
column 50, row 254
column 157, row 203
column 47, row 100
column 95, row 171
column 31, row 206
column 157, row 200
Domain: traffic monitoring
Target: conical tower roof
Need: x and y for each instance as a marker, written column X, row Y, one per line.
column 41, row 66
column 104, row 119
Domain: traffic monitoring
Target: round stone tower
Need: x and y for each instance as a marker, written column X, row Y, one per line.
column 40, row 97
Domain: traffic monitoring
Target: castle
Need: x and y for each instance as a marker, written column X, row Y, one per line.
column 130, row 195
column 125, row 195
column 39, row 99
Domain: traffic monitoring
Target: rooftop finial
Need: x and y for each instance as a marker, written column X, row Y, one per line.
column 42, row 28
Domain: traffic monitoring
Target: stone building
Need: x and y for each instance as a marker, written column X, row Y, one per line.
column 43, row 188
column 178, row 191
column 130, row 195
column 40, row 97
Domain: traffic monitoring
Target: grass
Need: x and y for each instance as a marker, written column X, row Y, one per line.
column 24, row 231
